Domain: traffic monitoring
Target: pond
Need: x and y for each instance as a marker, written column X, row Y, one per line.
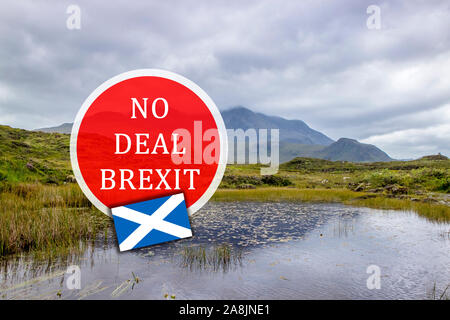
column 247, row 250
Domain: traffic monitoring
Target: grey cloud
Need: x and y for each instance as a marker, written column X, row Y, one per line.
column 310, row 60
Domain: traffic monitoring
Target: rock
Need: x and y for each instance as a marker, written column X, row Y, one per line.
column 396, row 189
column 71, row 179
column 324, row 181
column 367, row 196
column 245, row 186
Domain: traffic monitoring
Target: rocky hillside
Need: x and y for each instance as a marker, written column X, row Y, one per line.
column 297, row 139
column 34, row 156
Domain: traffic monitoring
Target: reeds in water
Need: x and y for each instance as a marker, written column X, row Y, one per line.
column 219, row 257
column 43, row 217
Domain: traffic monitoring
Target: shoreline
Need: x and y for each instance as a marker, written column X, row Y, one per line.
column 50, row 219
column 434, row 211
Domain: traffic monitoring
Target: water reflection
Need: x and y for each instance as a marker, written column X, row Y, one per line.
column 343, row 227
column 255, row 250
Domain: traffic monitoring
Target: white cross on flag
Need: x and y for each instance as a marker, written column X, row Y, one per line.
column 150, row 222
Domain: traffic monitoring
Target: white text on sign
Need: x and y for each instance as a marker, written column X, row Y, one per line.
column 180, row 145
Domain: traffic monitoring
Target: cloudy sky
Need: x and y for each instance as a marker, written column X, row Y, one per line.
column 311, row 60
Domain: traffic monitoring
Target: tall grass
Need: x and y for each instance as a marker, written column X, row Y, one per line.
column 433, row 211
column 285, row 194
column 42, row 217
column 434, row 295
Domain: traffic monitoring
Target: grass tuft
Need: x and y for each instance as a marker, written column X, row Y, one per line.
column 45, row 217
column 221, row 257
column 432, row 211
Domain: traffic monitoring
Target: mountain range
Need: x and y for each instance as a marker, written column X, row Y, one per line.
column 297, row 139
column 64, row 128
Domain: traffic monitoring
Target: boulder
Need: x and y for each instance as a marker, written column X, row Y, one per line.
column 70, row 179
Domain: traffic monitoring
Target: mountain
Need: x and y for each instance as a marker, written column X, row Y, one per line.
column 64, row 128
column 289, row 150
column 297, row 139
column 290, row 130
column 239, row 117
column 351, row 150
column 342, row 150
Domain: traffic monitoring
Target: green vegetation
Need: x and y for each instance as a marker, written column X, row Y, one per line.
column 250, row 182
column 285, row 194
column 433, row 211
column 416, row 177
column 43, row 209
column 421, row 185
column 28, row 156
column 46, row 218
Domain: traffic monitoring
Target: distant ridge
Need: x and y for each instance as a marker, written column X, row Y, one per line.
column 290, row 130
column 64, row 128
column 434, row 157
column 297, row 139
column 351, row 150
column 342, row 150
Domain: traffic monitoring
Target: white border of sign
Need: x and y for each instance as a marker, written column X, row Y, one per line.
column 151, row 73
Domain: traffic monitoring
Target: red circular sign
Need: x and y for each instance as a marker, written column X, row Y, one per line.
column 146, row 134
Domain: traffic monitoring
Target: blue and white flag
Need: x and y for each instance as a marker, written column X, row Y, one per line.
column 150, row 222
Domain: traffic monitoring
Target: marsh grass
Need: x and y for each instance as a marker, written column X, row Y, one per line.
column 445, row 235
column 126, row 285
column 46, row 218
column 221, row 257
column 443, row 295
column 285, row 194
column 432, row 211
column 25, row 269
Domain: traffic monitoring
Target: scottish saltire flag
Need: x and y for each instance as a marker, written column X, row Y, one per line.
column 150, row 222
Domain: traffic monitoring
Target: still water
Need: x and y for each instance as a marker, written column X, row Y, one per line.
column 280, row 250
